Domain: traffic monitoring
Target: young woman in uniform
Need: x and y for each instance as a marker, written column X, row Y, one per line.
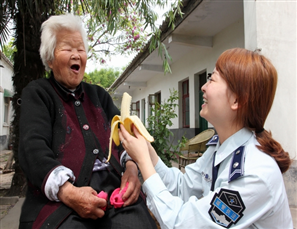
column 238, row 181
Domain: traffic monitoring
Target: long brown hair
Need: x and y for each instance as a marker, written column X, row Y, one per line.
column 253, row 79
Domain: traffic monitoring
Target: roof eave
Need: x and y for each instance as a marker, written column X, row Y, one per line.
column 187, row 7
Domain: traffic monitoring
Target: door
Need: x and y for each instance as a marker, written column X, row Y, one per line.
column 203, row 124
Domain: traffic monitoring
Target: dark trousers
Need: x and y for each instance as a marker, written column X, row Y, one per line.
column 135, row 216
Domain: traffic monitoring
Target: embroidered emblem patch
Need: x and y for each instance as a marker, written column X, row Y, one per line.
column 226, row 208
column 206, row 177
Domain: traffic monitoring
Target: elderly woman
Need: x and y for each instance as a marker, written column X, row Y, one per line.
column 64, row 136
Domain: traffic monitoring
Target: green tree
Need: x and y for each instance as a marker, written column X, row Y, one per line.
column 27, row 67
column 158, row 127
column 9, row 50
column 129, row 37
column 103, row 77
column 113, row 26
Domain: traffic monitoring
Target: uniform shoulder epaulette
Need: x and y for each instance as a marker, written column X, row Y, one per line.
column 213, row 141
column 237, row 164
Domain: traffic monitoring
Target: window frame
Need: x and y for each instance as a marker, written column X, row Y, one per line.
column 185, row 96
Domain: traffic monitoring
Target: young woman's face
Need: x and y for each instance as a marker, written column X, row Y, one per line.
column 219, row 101
column 70, row 59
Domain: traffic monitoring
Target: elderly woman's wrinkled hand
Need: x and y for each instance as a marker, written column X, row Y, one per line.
column 83, row 200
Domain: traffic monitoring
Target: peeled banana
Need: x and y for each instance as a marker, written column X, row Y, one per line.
column 127, row 120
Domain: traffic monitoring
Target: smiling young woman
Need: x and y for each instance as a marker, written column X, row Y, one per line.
column 253, row 79
column 238, row 181
column 220, row 106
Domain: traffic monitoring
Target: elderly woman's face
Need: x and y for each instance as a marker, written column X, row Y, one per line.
column 70, row 59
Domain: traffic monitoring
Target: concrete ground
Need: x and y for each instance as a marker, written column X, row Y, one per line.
column 10, row 207
column 11, row 218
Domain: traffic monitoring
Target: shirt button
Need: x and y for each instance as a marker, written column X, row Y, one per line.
column 95, row 151
column 77, row 103
column 237, row 152
column 85, row 127
column 235, row 165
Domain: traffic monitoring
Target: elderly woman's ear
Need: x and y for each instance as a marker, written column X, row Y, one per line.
column 50, row 64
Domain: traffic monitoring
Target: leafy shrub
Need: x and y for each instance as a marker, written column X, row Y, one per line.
column 158, row 124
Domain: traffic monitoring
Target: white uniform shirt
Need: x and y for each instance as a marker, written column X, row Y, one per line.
column 258, row 197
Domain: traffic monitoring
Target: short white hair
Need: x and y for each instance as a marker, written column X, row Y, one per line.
column 49, row 30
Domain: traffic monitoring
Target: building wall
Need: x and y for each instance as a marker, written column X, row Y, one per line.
column 196, row 61
column 6, row 73
column 271, row 27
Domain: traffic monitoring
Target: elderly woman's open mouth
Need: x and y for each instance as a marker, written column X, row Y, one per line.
column 75, row 67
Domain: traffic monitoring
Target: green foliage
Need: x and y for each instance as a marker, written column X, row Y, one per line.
column 155, row 42
column 9, row 50
column 103, row 77
column 108, row 36
column 158, row 127
column 113, row 27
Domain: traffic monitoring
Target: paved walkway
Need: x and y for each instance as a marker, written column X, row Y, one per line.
column 10, row 207
column 11, row 219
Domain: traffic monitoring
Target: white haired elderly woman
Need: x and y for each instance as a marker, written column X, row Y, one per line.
column 64, row 136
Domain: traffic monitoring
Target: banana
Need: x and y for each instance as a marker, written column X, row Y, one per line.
column 127, row 120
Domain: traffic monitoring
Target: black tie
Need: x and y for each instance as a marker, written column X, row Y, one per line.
column 215, row 170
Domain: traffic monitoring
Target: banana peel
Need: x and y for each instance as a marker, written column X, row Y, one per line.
column 127, row 120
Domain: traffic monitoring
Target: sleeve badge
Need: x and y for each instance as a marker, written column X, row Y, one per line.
column 226, row 208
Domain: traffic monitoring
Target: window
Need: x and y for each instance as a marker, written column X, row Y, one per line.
column 185, row 104
column 136, row 108
column 158, row 97
column 153, row 98
column 143, row 111
column 6, row 109
column 203, row 124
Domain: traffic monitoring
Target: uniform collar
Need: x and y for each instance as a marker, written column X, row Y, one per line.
column 65, row 93
column 231, row 144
